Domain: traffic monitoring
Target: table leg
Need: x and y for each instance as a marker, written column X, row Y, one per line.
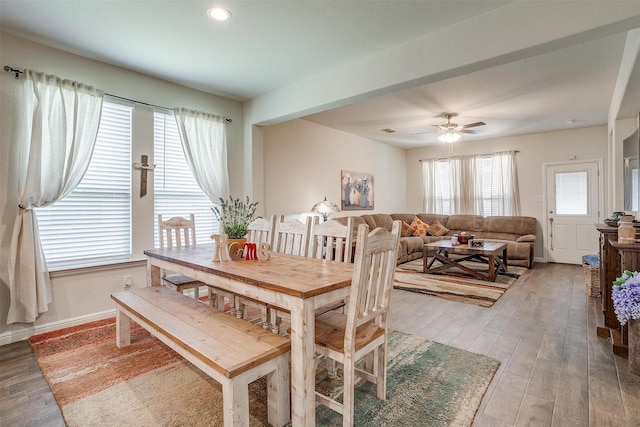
column 153, row 274
column 492, row 268
column 303, row 368
column 504, row 259
column 123, row 328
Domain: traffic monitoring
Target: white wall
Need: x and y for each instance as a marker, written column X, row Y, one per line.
column 535, row 150
column 303, row 160
column 87, row 292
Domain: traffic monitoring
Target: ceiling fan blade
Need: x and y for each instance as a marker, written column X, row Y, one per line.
column 472, row 125
column 426, row 131
column 469, row 131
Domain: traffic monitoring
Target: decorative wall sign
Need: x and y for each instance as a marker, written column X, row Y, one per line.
column 357, row 191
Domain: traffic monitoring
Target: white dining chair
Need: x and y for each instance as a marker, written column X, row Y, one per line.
column 260, row 230
column 332, row 241
column 361, row 333
column 292, row 236
column 177, row 232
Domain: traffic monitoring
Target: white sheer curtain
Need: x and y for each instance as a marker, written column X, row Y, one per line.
column 432, row 188
column 60, row 120
column 204, row 141
column 466, row 184
column 505, row 189
column 472, row 185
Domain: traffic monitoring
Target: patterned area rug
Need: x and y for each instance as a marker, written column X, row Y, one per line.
column 147, row 384
column 455, row 285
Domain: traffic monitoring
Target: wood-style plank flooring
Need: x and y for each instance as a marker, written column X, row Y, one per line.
column 555, row 371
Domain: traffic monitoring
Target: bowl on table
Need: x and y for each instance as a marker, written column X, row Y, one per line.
column 464, row 238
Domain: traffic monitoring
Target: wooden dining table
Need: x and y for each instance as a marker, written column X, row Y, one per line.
column 297, row 284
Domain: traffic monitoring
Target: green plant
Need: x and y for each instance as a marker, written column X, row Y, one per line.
column 234, row 216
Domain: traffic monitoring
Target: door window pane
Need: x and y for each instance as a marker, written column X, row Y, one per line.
column 571, row 193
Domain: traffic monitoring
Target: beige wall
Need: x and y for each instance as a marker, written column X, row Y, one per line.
column 78, row 294
column 303, row 160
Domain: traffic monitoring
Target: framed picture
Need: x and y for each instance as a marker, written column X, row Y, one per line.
column 357, row 191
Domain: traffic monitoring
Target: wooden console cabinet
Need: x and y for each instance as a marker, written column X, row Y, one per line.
column 609, row 272
column 614, row 259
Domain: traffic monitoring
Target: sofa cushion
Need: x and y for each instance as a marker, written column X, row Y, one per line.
column 407, row 230
column 437, row 229
column 378, row 220
column 419, row 227
column 518, row 225
column 465, row 223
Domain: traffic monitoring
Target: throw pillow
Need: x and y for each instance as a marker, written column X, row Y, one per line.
column 407, row 230
column 419, row 228
column 437, row 229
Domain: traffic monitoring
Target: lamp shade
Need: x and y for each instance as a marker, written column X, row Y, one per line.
column 325, row 208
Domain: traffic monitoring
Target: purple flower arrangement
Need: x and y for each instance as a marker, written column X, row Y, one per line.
column 626, row 296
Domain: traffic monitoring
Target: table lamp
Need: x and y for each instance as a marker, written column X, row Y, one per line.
column 325, row 208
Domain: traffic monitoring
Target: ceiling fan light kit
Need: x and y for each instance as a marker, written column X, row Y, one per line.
column 449, row 137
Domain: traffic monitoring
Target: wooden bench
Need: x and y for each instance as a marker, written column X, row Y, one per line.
column 232, row 351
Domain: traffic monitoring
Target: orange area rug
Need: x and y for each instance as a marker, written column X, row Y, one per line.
column 147, row 384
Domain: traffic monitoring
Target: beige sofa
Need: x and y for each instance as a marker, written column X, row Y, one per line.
column 519, row 232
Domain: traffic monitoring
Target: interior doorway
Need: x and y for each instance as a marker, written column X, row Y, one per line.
column 572, row 206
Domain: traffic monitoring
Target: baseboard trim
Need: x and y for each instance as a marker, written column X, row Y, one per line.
column 22, row 334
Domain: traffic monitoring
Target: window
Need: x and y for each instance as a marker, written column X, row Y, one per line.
column 481, row 185
column 92, row 224
column 176, row 192
column 572, row 193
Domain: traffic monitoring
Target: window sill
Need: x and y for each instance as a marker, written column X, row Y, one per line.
column 116, row 265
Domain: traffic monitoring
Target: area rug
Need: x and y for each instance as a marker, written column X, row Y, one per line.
column 147, row 384
column 454, row 285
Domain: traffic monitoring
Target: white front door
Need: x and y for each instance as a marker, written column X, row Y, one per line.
column 573, row 208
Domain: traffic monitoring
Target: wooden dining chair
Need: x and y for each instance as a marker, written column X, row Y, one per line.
column 177, row 232
column 260, row 230
column 362, row 332
column 292, row 236
column 332, row 241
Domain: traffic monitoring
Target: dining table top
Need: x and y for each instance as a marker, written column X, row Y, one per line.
column 297, row 276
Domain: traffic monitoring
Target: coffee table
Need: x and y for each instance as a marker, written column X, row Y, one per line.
column 493, row 254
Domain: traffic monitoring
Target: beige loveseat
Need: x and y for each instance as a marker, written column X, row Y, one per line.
column 519, row 232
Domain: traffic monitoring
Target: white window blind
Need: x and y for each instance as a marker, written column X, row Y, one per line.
column 92, row 224
column 572, row 190
column 176, row 192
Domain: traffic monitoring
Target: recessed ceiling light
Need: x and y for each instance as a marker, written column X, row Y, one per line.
column 219, row 13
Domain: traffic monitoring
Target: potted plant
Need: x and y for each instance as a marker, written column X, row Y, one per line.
column 234, row 216
column 626, row 304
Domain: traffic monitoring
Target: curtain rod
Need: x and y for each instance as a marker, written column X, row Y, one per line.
column 17, row 72
column 484, row 154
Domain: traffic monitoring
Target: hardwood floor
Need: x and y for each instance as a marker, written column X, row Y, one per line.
column 555, row 371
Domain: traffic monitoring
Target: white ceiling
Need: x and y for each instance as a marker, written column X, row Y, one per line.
column 268, row 45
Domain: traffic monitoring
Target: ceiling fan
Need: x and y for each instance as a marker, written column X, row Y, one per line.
column 451, row 131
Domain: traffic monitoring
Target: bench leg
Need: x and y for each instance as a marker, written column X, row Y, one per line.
column 278, row 391
column 123, row 328
column 235, row 403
